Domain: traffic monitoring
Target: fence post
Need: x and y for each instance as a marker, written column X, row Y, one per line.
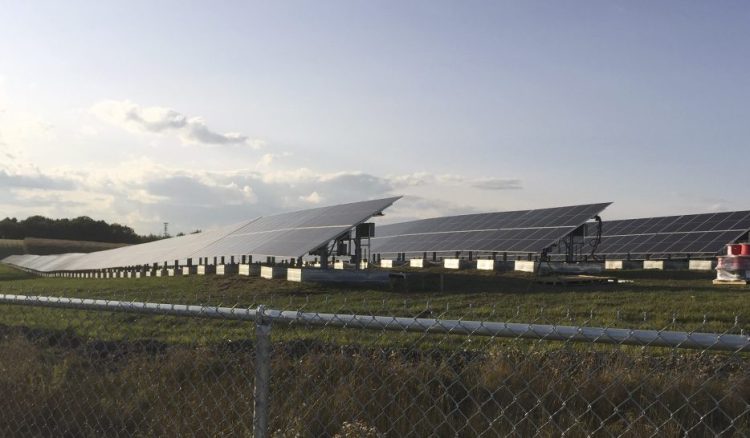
column 262, row 374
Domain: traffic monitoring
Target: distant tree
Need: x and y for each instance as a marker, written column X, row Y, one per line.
column 151, row 237
column 80, row 228
column 10, row 229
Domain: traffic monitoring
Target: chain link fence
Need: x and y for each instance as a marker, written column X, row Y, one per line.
column 109, row 367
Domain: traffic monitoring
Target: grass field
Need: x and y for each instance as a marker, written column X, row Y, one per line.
column 654, row 299
column 11, row 247
column 160, row 375
column 33, row 245
column 39, row 246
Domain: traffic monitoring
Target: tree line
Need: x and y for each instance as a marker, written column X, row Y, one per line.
column 80, row 228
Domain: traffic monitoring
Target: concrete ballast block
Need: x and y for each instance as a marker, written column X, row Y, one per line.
column 701, row 265
column 416, row 263
column 206, row 269
column 294, row 274
column 452, row 263
column 613, row 264
column 227, row 269
column 485, row 265
column 525, row 266
column 271, row 272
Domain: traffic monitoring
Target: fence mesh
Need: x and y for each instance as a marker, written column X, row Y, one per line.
column 74, row 372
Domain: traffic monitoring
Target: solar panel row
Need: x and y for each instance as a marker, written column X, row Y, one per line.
column 695, row 234
column 287, row 235
column 526, row 231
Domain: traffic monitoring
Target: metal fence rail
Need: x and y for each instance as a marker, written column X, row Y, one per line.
column 343, row 374
column 596, row 335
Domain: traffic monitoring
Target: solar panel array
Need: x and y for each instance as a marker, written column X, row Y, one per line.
column 287, row 235
column 527, row 231
column 695, row 234
column 295, row 234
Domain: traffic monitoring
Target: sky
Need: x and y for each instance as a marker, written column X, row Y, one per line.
column 202, row 114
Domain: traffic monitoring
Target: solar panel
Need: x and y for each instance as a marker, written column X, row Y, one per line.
column 526, row 231
column 160, row 251
column 287, row 235
column 178, row 248
column 696, row 235
column 295, row 234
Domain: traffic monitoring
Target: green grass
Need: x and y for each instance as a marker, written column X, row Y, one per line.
column 87, row 373
column 662, row 301
column 8, row 274
column 656, row 300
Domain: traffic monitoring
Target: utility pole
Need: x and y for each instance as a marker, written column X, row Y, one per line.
column 166, row 232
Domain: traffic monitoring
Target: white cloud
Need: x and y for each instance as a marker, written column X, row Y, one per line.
column 15, row 174
column 497, row 184
column 424, row 179
column 416, row 207
column 413, row 179
column 144, row 197
column 256, row 143
column 267, row 159
column 143, row 193
column 88, row 131
column 59, row 203
column 312, row 198
column 249, row 194
column 20, row 129
column 191, row 130
column 120, row 185
column 34, row 181
column 288, row 175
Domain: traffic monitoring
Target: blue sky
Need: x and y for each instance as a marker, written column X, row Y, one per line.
column 205, row 113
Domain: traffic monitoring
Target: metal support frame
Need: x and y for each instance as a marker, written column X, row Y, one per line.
column 579, row 246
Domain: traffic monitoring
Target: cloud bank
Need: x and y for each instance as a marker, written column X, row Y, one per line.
column 143, row 193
